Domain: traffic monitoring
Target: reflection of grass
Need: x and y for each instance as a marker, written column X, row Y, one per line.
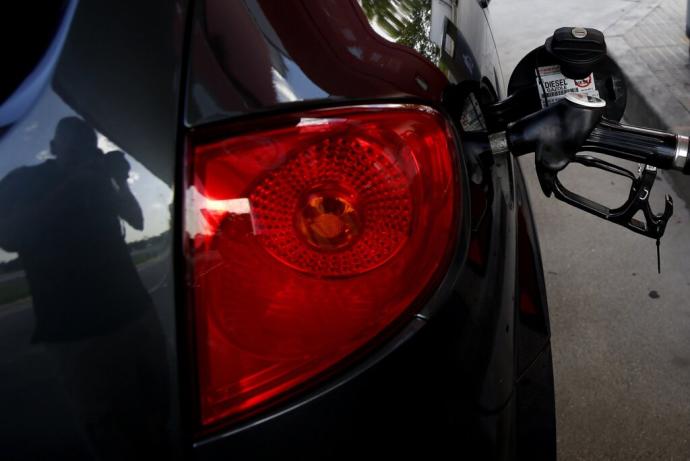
column 17, row 288
column 142, row 257
column 13, row 290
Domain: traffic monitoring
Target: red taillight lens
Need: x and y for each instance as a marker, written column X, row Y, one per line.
column 308, row 240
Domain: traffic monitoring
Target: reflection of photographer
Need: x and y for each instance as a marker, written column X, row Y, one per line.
column 128, row 208
column 92, row 312
column 75, row 149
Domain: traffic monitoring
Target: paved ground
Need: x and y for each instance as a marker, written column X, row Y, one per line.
column 650, row 45
column 621, row 333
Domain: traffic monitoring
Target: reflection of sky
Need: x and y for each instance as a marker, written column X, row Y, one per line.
column 293, row 84
column 28, row 143
column 197, row 207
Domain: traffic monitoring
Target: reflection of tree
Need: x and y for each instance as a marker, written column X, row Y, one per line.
column 408, row 22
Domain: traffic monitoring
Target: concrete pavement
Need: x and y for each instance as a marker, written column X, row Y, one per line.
column 621, row 333
column 650, row 45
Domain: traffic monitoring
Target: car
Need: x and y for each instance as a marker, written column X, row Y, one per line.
column 249, row 229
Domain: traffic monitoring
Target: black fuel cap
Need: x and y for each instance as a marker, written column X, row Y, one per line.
column 577, row 50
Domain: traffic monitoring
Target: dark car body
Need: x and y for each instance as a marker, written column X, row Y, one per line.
column 96, row 339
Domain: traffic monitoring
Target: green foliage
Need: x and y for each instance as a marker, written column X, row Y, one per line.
column 408, row 22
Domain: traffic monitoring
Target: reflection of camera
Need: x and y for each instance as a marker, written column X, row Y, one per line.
column 116, row 166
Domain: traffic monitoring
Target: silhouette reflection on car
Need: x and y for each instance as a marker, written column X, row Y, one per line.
column 92, row 313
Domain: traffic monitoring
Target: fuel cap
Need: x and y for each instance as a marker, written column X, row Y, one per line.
column 577, row 50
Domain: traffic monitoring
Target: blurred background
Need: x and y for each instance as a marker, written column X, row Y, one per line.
column 620, row 331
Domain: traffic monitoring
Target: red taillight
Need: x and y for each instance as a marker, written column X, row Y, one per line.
column 308, row 240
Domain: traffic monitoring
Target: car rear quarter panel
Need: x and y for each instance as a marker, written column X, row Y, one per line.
column 88, row 346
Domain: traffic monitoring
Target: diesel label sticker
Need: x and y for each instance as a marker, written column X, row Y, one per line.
column 553, row 85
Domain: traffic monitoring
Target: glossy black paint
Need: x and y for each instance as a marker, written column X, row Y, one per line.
column 294, row 52
column 466, row 377
column 88, row 347
column 34, row 62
